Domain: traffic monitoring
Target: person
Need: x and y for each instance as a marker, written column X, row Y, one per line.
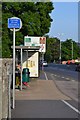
column 17, row 74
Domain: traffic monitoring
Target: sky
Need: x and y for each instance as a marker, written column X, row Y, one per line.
column 65, row 21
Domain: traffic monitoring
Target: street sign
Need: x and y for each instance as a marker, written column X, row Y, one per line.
column 13, row 23
column 36, row 41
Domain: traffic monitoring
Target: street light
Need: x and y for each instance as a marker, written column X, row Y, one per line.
column 60, row 53
column 72, row 49
column 60, row 46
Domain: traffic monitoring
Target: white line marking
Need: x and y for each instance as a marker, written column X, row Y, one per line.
column 67, row 78
column 45, row 76
column 58, row 76
column 52, row 74
column 62, row 77
column 76, row 110
column 55, row 75
column 73, row 80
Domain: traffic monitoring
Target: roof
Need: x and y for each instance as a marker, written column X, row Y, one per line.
column 26, row 47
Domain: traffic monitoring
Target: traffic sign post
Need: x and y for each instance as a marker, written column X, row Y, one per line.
column 14, row 24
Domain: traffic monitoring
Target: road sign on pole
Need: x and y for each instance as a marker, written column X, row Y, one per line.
column 14, row 24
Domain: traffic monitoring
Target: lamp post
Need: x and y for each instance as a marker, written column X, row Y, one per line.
column 60, row 53
column 72, row 49
column 60, row 47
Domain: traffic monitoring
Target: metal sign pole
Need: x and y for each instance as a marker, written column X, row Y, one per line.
column 13, row 23
column 21, row 68
column 42, row 59
column 72, row 50
column 42, row 55
column 27, row 59
column 13, row 68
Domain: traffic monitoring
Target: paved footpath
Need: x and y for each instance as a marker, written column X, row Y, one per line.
column 40, row 90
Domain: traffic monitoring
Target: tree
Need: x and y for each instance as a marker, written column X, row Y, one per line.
column 67, row 50
column 53, row 50
column 35, row 18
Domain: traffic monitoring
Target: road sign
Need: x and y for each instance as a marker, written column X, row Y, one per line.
column 36, row 41
column 13, row 23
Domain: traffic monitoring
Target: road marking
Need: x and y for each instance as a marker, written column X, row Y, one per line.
column 67, row 78
column 73, row 80
column 58, row 76
column 62, row 77
column 76, row 110
column 55, row 75
column 45, row 76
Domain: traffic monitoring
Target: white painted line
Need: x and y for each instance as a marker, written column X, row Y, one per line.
column 67, row 78
column 62, row 77
column 45, row 76
column 52, row 74
column 58, row 76
column 55, row 75
column 73, row 80
column 76, row 110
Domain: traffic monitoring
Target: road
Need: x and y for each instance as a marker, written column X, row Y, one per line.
column 67, row 70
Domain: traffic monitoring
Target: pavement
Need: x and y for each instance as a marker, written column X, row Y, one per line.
column 31, row 101
column 40, row 90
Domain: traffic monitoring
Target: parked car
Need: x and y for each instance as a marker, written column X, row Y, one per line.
column 44, row 63
column 78, row 68
column 70, row 62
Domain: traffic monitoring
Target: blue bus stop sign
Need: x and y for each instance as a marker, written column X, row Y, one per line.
column 13, row 23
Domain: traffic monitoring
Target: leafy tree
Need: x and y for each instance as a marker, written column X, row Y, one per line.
column 67, row 50
column 53, row 50
column 35, row 18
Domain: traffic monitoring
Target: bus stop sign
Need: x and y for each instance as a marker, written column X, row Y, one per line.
column 13, row 23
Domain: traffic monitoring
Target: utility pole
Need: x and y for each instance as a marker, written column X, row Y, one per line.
column 72, row 49
column 60, row 53
column 60, row 34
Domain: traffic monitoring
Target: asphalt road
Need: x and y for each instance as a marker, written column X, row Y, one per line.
column 67, row 71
